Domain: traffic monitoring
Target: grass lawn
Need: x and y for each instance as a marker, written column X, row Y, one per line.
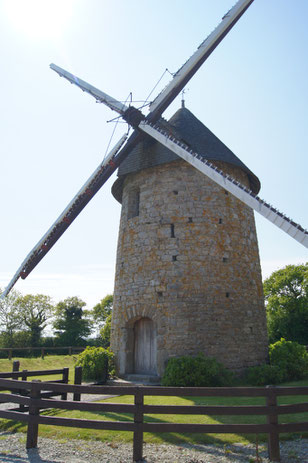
column 50, row 362
column 62, row 433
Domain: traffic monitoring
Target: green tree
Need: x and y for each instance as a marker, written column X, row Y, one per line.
column 105, row 333
column 101, row 314
column 102, row 310
column 70, row 324
column 286, row 296
column 34, row 311
column 10, row 319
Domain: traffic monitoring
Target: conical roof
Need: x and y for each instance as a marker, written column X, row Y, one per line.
column 187, row 128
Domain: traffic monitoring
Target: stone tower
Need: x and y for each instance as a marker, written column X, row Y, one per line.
column 188, row 276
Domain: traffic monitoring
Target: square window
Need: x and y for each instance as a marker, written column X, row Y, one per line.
column 133, row 203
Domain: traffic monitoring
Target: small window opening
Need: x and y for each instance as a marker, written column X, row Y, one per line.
column 225, row 259
column 159, row 293
column 174, row 258
column 172, row 230
column 227, row 294
column 175, row 192
column 190, row 219
column 251, row 329
column 133, row 203
column 220, row 221
column 226, row 192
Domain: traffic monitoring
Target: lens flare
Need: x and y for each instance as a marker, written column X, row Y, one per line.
column 39, row 19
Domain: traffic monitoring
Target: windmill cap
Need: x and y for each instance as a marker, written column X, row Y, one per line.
column 188, row 129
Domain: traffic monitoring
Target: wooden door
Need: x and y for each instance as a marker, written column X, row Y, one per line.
column 145, row 346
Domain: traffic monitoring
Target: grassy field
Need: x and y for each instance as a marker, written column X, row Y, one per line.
column 50, row 362
column 114, row 437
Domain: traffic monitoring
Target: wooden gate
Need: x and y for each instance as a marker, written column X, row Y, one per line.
column 145, row 346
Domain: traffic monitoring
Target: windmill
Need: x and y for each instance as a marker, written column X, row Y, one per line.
column 154, row 127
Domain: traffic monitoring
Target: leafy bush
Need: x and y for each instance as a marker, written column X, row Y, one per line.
column 196, row 371
column 288, row 361
column 96, row 363
column 264, row 374
column 290, row 357
column 47, row 341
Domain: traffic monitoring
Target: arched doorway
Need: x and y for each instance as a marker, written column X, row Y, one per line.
column 145, row 348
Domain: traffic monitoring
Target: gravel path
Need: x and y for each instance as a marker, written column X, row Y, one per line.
column 12, row 450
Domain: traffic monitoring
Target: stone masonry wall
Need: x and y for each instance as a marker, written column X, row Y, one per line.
column 189, row 261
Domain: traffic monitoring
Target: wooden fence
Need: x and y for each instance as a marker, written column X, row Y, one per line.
column 35, row 401
column 25, row 374
column 43, row 350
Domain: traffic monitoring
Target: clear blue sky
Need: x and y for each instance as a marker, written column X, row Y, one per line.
column 252, row 93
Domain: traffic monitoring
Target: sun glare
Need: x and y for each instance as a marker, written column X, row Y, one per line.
column 39, row 19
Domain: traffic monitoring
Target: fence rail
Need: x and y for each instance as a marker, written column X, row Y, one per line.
column 35, row 401
column 70, row 350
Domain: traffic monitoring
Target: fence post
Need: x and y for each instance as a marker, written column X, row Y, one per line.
column 24, row 377
column 42, row 353
column 65, row 381
column 272, row 420
column 138, row 420
column 77, row 381
column 16, row 365
column 10, row 354
column 32, row 432
column 70, row 351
